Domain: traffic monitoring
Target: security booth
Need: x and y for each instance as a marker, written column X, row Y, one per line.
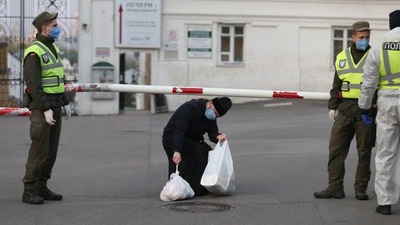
column 103, row 72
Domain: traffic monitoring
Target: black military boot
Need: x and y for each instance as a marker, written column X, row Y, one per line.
column 384, row 209
column 46, row 194
column 362, row 195
column 329, row 193
column 31, row 197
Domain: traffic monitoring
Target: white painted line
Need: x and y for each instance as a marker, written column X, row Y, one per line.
column 278, row 104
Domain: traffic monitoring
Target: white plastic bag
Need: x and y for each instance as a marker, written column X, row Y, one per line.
column 218, row 177
column 176, row 188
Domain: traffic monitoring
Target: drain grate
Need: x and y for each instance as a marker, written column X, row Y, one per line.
column 198, row 207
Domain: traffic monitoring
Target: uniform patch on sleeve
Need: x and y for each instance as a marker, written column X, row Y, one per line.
column 342, row 63
column 45, row 58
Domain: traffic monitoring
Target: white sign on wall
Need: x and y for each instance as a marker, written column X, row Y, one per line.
column 171, row 42
column 138, row 23
column 199, row 42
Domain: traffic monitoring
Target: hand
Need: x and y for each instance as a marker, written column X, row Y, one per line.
column 332, row 113
column 366, row 116
column 67, row 110
column 176, row 158
column 49, row 117
column 221, row 137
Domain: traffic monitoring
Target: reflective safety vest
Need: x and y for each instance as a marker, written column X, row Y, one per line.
column 350, row 73
column 389, row 70
column 52, row 68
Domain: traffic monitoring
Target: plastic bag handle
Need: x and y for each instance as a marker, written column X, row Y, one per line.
column 221, row 143
column 177, row 171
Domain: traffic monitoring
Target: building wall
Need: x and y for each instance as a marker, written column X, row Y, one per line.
column 287, row 44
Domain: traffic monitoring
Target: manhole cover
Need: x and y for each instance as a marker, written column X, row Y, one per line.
column 198, row 207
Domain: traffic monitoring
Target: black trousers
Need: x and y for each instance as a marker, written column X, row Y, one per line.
column 194, row 161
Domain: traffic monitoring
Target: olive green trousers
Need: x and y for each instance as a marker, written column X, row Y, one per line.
column 43, row 150
column 342, row 133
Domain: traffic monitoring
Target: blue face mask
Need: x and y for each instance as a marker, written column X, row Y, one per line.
column 55, row 32
column 210, row 114
column 363, row 44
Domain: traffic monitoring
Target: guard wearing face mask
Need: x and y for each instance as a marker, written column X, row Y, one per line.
column 348, row 122
column 183, row 139
column 44, row 77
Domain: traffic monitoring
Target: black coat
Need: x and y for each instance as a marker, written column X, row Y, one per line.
column 189, row 122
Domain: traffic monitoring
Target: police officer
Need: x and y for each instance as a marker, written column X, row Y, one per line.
column 344, row 95
column 382, row 70
column 44, row 77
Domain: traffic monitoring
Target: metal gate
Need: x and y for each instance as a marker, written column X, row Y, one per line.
column 17, row 33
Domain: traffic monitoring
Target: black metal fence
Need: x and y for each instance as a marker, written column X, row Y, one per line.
column 17, row 33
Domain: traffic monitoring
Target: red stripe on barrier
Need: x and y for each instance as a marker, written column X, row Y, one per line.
column 187, row 90
column 286, row 95
column 28, row 113
column 73, row 88
column 14, row 112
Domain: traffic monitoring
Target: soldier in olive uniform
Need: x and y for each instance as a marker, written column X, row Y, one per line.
column 344, row 96
column 44, row 76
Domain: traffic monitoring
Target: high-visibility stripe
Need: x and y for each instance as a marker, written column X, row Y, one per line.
column 52, row 66
column 386, row 61
column 389, row 78
column 348, row 86
column 52, row 81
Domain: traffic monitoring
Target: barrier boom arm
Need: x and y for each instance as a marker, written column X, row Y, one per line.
column 154, row 89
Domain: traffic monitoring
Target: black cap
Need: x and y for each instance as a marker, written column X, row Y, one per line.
column 394, row 19
column 42, row 18
column 222, row 105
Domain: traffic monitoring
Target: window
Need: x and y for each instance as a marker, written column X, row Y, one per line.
column 231, row 44
column 341, row 40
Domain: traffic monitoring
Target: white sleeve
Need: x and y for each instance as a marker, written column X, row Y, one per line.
column 370, row 78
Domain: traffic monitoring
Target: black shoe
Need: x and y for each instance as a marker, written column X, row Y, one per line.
column 384, row 209
column 362, row 196
column 328, row 193
column 31, row 197
column 46, row 194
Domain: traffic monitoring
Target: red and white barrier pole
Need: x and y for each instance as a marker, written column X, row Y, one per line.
column 4, row 111
column 154, row 89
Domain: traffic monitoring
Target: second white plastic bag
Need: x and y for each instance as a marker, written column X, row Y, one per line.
column 219, row 177
column 176, row 188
